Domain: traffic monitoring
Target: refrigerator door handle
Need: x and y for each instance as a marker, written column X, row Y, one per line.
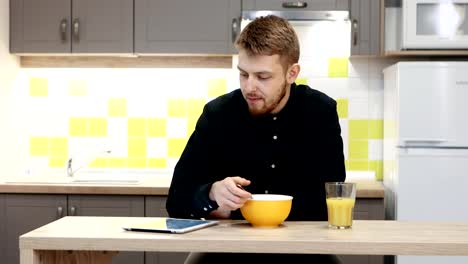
column 421, row 141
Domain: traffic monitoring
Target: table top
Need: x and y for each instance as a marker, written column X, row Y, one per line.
column 371, row 237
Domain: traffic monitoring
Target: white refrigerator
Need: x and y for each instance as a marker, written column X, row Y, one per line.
column 426, row 146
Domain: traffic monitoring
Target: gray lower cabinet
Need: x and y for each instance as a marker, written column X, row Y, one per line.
column 181, row 26
column 110, row 205
column 2, row 227
column 365, row 27
column 366, row 209
column 155, row 206
column 66, row 26
column 26, row 212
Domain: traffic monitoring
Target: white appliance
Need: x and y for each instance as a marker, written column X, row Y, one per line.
column 426, row 146
column 435, row 24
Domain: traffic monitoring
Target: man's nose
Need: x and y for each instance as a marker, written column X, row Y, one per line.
column 250, row 85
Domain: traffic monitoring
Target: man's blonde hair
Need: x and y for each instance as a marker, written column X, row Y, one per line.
column 270, row 35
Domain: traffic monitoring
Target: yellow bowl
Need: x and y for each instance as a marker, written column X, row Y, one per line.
column 267, row 210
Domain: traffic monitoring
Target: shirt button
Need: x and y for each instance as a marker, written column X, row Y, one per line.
column 274, row 118
column 266, row 191
column 275, row 137
column 273, row 166
column 205, row 209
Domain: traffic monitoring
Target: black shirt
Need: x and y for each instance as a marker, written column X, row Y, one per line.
column 293, row 152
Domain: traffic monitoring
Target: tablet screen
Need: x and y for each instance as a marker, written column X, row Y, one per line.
column 170, row 225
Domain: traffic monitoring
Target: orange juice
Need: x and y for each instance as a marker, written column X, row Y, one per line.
column 340, row 211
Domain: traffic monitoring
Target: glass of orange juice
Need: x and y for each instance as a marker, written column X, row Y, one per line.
column 341, row 197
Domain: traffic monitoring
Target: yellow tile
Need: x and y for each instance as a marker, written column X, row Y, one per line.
column 358, row 129
column 78, row 88
column 99, row 163
column 176, row 146
column 117, row 162
column 217, row 87
column 342, row 108
column 38, row 87
column 137, row 147
column 137, row 127
column 57, row 162
column 338, row 67
column 177, row 107
column 377, row 167
column 376, row 129
column 157, row 163
column 195, row 107
column 191, row 124
column 358, row 149
column 77, row 126
column 347, row 165
column 117, row 107
column 137, row 163
column 302, row 81
column 359, row 165
column 157, row 127
column 38, row 146
column 58, row 147
column 97, row 126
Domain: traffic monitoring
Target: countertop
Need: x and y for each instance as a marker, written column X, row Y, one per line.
column 149, row 186
column 90, row 235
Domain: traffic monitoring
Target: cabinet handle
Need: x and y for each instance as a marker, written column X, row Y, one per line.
column 72, row 210
column 235, row 29
column 295, row 4
column 59, row 212
column 76, row 29
column 355, row 32
column 63, row 29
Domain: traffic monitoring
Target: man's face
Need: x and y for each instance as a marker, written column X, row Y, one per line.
column 264, row 83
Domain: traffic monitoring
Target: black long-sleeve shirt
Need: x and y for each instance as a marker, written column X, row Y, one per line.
column 293, row 152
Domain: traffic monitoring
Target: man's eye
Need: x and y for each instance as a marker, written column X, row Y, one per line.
column 245, row 75
column 263, row 77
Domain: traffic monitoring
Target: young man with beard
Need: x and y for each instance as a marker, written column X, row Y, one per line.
column 269, row 136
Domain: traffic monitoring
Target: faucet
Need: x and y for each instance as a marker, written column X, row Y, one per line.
column 71, row 172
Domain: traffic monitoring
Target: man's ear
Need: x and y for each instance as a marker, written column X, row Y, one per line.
column 293, row 73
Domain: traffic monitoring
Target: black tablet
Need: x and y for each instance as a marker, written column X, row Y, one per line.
column 170, row 225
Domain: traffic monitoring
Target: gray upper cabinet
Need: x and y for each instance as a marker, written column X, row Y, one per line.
column 365, row 27
column 281, row 5
column 65, row 26
column 184, row 26
column 23, row 213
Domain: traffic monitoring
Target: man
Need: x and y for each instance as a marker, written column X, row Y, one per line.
column 269, row 136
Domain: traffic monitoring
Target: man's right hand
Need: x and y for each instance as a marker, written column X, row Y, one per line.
column 228, row 195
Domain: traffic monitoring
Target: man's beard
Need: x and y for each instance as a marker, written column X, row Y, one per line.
column 268, row 109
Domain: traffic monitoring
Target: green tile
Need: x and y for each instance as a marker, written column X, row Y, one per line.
column 342, row 107
column 377, row 167
column 302, row 81
column 359, row 165
column 358, row 129
column 338, row 67
column 358, row 149
column 376, row 129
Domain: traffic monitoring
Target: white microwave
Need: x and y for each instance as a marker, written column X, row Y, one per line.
column 435, row 24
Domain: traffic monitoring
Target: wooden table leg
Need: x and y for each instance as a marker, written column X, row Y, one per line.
column 65, row 257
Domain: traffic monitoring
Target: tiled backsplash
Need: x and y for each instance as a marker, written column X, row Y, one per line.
column 145, row 116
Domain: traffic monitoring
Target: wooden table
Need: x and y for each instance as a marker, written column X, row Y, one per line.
column 97, row 239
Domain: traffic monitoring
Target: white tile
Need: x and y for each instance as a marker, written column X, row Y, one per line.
column 375, row 149
column 314, row 67
column 376, row 92
column 335, row 88
column 117, row 128
column 176, row 127
column 358, row 67
column 344, row 136
column 157, row 147
column 358, row 88
column 172, row 162
column 376, row 66
column 358, row 108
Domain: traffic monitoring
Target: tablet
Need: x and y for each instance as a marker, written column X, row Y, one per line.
column 170, row 225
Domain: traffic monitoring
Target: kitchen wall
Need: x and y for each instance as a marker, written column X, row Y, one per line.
column 9, row 67
column 145, row 116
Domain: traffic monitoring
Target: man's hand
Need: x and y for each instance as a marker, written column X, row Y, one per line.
column 229, row 195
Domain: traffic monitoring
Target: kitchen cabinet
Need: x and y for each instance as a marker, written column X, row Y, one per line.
column 181, row 26
column 36, row 210
column 282, row 5
column 2, row 227
column 365, row 18
column 155, row 206
column 65, row 26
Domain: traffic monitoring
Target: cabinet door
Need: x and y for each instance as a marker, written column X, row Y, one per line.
column 102, row 26
column 155, row 206
column 365, row 27
column 181, row 26
column 40, row 26
column 3, row 240
column 282, row 5
column 109, row 205
column 25, row 212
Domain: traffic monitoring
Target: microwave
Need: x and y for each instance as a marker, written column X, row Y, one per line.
column 434, row 24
